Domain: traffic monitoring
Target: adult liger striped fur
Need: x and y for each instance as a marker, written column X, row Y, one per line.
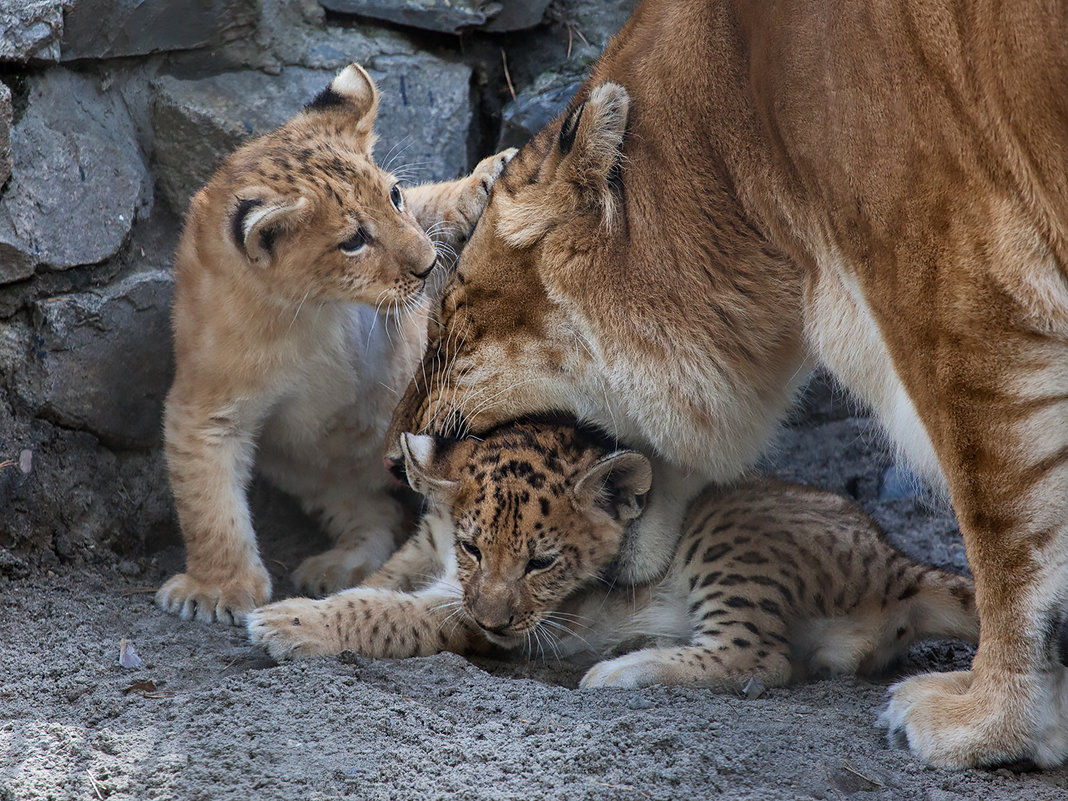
column 744, row 190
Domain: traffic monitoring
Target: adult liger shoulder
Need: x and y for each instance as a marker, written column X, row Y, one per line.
column 299, row 312
column 742, row 191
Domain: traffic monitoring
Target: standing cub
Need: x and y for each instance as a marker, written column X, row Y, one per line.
column 769, row 580
column 298, row 314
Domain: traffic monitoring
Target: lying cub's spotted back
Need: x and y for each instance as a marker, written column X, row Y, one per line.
column 770, row 580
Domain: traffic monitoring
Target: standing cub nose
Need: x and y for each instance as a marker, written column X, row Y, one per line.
column 427, row 271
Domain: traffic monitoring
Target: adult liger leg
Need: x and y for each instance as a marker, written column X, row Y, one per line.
column 995, row 402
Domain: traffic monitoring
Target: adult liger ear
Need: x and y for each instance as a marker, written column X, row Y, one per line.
column 353, row 98
column 422, row 468
column 581, row 171
column 256, row 223
column 617, row 484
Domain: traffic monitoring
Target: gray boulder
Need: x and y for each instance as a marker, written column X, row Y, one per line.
column 109, row 28
column 78, row 180
column 535, row 106
column 5, row 133
column 448, row 16
column 101, row 360
column 30, row 29
column 424, row 118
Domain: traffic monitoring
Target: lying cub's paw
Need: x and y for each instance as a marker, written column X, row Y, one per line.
column 292, row 628
column 230, row 602
column 636, row 669
column 337, row 569
column 948, row 722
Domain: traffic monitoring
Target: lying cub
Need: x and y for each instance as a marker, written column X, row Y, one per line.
column 769, row 580
column 298, row 317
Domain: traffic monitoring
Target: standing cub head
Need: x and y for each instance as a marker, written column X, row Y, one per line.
column 305, row 211
column 538, row 511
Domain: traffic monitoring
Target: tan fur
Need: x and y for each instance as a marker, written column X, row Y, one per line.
column 770, row 580
column 298, row 314
column 881, row 188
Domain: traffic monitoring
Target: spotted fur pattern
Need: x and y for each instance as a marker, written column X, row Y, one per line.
column 770, row 580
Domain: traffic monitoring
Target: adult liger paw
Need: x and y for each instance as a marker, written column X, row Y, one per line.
column 949, row 720
column 207, row 602
column 292, row 628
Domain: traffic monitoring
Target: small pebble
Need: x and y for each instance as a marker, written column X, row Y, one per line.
column 128, row 657
column 639, row 702
column 754, row 688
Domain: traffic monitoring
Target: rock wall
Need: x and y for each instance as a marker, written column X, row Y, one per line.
column 112, row 113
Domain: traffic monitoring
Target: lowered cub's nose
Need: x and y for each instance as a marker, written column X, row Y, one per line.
column 495, row 627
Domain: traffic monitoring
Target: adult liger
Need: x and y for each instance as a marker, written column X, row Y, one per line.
column 742, row 191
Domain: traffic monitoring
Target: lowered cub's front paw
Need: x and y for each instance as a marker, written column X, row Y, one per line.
column 207, row 601
column 952, row 720
column 292, row 628
column 636, row 669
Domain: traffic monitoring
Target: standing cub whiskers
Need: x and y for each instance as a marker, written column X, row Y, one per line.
column 771, row 580
column 298, row 315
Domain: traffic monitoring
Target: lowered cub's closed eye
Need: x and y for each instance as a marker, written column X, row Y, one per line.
column 354, row 243
column 396, row 197
column 472, row 549
column 540, row 563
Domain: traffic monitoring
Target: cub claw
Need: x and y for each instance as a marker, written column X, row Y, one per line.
column 207, row 602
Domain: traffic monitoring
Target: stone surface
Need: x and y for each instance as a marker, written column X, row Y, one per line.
column 536, row 105
column 30, row 29
column 448, row 16
column 109, row 28
column 79, row 178
column 424, row 117
column 5, row 133
column 101, row 361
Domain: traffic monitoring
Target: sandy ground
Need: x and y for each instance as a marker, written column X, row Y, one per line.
column 209, row 717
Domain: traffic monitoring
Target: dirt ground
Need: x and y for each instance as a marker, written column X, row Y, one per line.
column 209, row 717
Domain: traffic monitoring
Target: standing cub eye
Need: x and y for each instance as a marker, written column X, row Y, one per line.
column 396, row 198
column 540, row 563
column 354, row 243
column 471, row 549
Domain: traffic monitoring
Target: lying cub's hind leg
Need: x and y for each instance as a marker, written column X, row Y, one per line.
column 738, row 634
column 993, row 393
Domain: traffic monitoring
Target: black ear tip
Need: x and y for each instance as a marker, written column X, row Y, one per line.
column 570, row 128
column 326, row 99
column 237, row 223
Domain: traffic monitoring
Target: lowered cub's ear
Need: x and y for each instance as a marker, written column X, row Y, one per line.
column 354, row 95
column 617, row 484
column 257, row 222
column 422, row 468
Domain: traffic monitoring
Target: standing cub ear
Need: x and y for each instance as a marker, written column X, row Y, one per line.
column 257, row 222
column 353, row 97
column 617, row 484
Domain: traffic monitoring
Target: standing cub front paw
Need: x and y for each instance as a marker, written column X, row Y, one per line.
column 227, row 602
column 476, row 191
